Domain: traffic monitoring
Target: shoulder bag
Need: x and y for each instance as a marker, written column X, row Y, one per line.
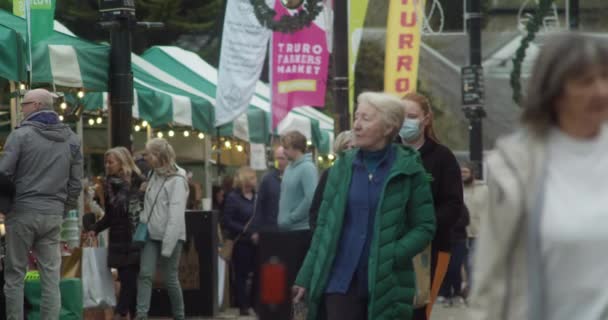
column 141, row 232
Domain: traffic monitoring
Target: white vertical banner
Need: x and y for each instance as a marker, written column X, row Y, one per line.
column 244, row 46
column 257, row 156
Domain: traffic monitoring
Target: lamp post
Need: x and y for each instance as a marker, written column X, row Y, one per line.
column 473, row 89
column 119, row 17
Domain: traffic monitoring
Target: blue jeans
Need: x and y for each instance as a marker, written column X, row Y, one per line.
column 169, row 268
column 39, row 232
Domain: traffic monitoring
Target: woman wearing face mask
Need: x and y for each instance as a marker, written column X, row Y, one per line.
column 443, row 172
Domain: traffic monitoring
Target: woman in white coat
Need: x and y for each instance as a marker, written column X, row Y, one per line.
column 541, row 249
column 164, row 211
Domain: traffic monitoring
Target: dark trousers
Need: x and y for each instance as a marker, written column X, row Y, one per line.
column 243, row 264
column 351, row 306
column 127, row 299
column 452, row 284
column 469, row 263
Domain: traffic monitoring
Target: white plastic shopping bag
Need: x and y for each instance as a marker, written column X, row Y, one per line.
column 97, row 281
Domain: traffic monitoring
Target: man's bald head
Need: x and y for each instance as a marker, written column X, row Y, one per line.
column 280, row 158
column 36, row 100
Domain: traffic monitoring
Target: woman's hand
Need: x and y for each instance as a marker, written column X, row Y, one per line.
column 298, row 293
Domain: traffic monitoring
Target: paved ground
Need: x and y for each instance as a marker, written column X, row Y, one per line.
column 439, row 313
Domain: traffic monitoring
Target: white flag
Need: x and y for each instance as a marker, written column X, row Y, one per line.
column 244, row 46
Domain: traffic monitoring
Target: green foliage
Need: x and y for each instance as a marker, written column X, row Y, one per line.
column 200, row 17
column 532, row 28
column 286, row 23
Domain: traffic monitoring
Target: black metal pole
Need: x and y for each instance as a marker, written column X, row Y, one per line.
column 574, row 14
column 340, row 66
column 121, row 83
column 475, row 113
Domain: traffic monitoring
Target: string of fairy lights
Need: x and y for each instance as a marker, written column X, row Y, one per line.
column 71, row 111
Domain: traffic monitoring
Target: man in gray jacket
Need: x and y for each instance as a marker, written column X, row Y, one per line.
column 42, row 158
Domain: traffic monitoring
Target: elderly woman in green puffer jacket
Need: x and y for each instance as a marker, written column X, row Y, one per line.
column 375, row 216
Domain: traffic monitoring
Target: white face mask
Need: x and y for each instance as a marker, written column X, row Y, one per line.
column 410, row 130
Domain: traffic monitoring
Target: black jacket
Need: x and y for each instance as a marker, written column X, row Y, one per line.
column 122, row 210
column 446, row 186
column 7, row 194
column 267, row 204
column 459, row 232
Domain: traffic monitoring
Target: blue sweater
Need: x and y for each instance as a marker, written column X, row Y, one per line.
column 297, row 190
column 352, row 256
column 267, row 206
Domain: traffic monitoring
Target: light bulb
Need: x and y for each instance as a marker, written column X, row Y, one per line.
column 91, row 122
column 186, row 133
column 61, row 118
column 22, row 86
column 227, row 144
column 137, row 128
column 144, row 123
column 159, row 134
column 309, row 143
column 331, row 157
column 201, row 136
column 171, row 133
column 80, row 94
column 239, row 148
column 63, row 106
column 99, row 120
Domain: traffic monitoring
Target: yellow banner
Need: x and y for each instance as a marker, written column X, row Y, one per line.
column 357, row 10
column 403, row 41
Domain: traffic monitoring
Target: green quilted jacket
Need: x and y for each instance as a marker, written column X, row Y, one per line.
column 404, row 226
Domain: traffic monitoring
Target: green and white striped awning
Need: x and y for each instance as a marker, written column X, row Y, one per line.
column 63, row 60
column 193, row 70
column 172, row 85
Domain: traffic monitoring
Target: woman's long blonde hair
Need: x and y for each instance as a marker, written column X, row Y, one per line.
column 164, row 154
column 125, row 160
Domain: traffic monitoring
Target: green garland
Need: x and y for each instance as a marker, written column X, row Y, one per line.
column 532, row 27
column 287, row 23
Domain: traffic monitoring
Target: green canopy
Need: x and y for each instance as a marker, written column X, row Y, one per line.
column 63, row 60
column 193, row 70
column 12, row 55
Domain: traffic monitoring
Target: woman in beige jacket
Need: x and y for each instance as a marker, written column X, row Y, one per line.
column 539, row 251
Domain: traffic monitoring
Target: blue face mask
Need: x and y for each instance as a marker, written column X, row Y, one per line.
column 410, row 130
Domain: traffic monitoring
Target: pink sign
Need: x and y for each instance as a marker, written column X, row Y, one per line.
column 299, row 68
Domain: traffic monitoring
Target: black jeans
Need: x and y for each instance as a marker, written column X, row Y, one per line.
column 127, row 300
column 351, row 305
column 243, row 264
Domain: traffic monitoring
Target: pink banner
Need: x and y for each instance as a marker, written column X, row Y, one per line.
column 299, row 68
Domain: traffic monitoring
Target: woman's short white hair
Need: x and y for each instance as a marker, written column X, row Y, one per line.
column 390, row 108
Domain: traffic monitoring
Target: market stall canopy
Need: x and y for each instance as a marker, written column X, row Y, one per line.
column 192, row 69
column 12, row 55
column 64, row 60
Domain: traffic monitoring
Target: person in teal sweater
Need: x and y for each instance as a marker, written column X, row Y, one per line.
column 297, row 190
column 298, row 184
column 376, row 214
